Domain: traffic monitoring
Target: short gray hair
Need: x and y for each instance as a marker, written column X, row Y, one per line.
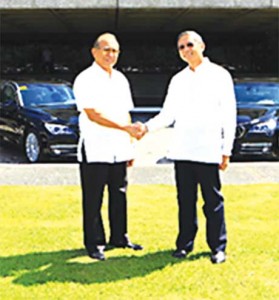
column 197, row 37
column 102, row 36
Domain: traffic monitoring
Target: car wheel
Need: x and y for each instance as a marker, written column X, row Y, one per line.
column 32, row 147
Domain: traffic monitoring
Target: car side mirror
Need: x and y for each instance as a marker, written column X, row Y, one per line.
column 10, row 105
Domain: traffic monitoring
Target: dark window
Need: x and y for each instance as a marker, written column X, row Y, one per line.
column 8, row 94
column 257, row 92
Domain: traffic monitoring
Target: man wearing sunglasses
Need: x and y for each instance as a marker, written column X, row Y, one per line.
column 104, row 100
column 201, row 104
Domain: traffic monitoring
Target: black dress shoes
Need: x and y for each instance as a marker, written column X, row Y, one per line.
column 135, row 247
column 128, row 244
column 179, row 253
column 218, row 257
column 97, row 254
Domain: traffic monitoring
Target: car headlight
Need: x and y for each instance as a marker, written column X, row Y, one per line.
column 267, row 126
column 57, row 129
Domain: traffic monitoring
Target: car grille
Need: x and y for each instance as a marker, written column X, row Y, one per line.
column 255, row 148
column 240, row 131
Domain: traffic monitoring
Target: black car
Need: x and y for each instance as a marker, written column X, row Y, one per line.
column 257, row 118
column 40, row 117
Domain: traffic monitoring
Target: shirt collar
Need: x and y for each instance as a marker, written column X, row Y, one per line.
column 200, row 67
column 101, row 71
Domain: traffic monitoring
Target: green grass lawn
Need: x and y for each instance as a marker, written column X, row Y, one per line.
column 42, row 256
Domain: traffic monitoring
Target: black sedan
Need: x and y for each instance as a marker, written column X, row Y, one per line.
column 257, row 118
column 40, row 117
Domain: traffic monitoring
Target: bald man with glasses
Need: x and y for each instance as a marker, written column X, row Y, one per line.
column 104, row 100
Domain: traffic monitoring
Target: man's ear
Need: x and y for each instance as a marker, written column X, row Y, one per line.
column 93, row 51
column 203, row 47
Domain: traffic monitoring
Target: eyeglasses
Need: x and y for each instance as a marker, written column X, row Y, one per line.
column 108, row 49
column 182, row 47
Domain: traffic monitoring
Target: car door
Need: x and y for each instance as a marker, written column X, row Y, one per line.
column 10, row 116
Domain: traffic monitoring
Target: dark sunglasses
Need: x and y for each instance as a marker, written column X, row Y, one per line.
column 189, row 45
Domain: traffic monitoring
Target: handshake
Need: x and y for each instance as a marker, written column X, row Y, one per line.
column 136, row 130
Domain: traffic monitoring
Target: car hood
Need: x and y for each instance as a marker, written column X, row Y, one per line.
column 247, row 113
column 65, row 114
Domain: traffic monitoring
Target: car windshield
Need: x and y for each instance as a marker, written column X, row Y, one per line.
column 38, row 94
column 260, row 93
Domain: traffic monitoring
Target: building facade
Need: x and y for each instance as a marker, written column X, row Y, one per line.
column 242, row 35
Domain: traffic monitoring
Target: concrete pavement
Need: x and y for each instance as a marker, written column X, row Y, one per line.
column 68, row 174
column 146, row 170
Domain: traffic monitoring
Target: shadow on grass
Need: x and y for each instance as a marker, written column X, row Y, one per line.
column 40, row 268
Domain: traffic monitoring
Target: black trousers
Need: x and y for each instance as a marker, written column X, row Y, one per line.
column 188, row 176
column 94, row 178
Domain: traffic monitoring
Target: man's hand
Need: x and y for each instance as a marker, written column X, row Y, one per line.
column 225, row 162
column 130, row 163
column 141, row 130
column 136, row 130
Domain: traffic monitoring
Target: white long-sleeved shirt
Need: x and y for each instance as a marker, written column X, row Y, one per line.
column 202, row 105
column 111, row 96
